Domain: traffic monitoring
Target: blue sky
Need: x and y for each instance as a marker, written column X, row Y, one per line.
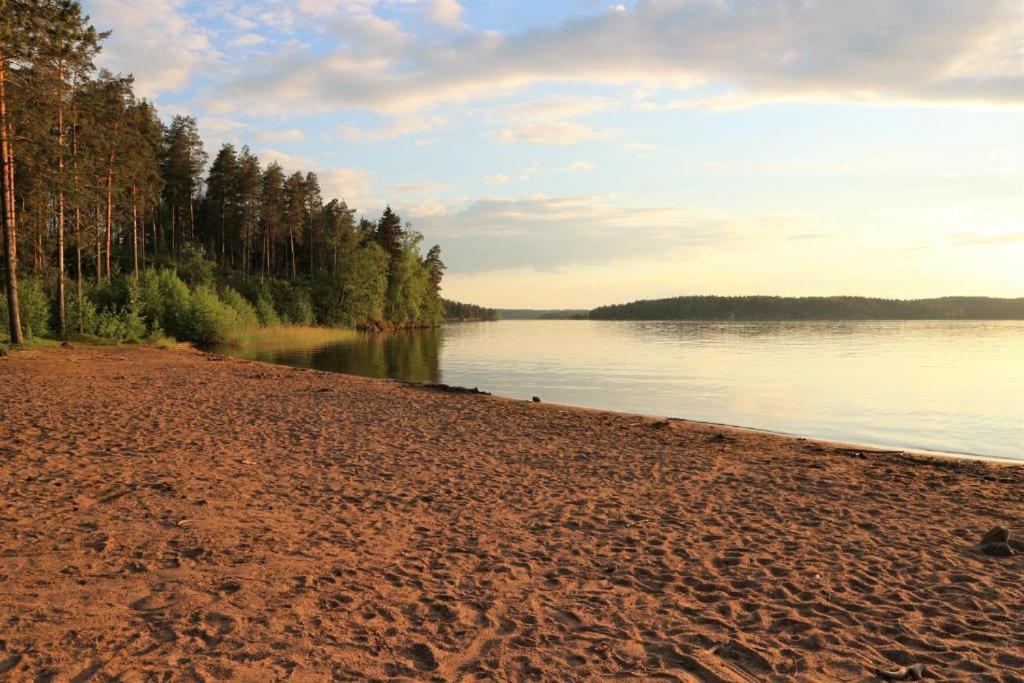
column 569, row 154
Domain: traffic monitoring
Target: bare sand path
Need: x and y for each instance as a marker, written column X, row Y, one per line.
column 167, row 515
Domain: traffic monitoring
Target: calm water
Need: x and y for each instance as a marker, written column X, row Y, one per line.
column 956, row 387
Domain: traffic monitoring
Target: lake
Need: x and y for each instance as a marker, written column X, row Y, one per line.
column 946, row 386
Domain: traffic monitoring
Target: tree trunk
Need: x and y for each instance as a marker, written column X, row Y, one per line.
column 7, row 204
column 135, row 234
column 110, row 210
column 61, row 321
column 99, row 245
column 78, row 267
column 291, row 246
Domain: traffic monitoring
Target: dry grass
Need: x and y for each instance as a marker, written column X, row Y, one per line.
column 294, row 337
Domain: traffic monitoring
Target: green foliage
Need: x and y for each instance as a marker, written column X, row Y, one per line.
column 355, row 295
column 294, row 304
column 175, row 306
column 264, row 305
column 35, row 308
column 194, row 268
column 87, row 314
column 244, row 311
column 456, row 310
column 210, row 319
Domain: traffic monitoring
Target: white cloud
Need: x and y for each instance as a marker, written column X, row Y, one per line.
column 155, row 40
column 551, row 133
column 396, row 129
column 498, row 179
column 248, row 40
column 289, row 135
column 445, row 12
column 547, row 233
column 872, row 50
column 426, row 187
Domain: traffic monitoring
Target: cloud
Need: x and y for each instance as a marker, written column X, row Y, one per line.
column 550, row 133
column 872, row 50
column 575, row 167
column 396, row 129
column 426, row 187
column 547, row 233
column 445, row 12
column 155, row 40
column 248, row 40
column 289, row 135
column 353, row 185
column 496, row 179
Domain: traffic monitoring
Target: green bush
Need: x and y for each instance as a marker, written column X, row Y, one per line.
column 264, row 305
column 87, row 315
column 35, row 307
column 210, row 319
column 194, row 268
column 123, row 326
column 176, row 305
column 296, row 306
column 247, row 316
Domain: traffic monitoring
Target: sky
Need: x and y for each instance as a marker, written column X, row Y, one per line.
column 573, row 153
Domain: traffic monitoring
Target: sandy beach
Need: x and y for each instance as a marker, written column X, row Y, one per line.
column 172, row 515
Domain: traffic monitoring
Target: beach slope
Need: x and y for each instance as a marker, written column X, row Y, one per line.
column 171, row 515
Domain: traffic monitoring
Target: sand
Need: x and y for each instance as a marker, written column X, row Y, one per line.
column 169, row 515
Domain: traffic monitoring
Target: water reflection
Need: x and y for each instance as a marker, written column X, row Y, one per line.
column 412, row 356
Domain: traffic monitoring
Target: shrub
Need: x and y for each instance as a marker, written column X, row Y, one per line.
column 264, row 305
column 296, row 306
column 35, row 307
column 122, row 326
column 87, row 314
column 210, row 319
column 194, row 268
column 175, row 303
column 247, row 316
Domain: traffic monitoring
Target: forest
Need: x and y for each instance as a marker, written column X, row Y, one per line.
column 456, row 310
column 813, row 308
column 118, row 225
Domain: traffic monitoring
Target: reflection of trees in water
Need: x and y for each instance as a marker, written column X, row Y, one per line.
column 411, row 356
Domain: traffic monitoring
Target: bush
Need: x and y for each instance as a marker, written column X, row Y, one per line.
column 123, row 326
column 194, row 268
column 35, row 308
column 247, row 316
column 264, row 305
column 210, row 319
column 175, row 305
column 296, row 306
column 88, row 312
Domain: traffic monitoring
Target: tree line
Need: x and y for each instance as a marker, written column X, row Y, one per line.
column 97, row 191
column 813, row 308
column 456, row 310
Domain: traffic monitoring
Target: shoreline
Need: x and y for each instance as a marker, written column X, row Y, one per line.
column 179, row 511
column 838, row 443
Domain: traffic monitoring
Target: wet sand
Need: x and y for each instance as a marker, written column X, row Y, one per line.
column 169, row 515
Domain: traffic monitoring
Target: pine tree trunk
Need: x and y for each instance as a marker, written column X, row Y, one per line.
column 61, row 320
column 78, row 267
column 7, row 204
column 99, row 245
column 78, row 217
column 291, row 245
column 135, row 235
column 110, row 210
